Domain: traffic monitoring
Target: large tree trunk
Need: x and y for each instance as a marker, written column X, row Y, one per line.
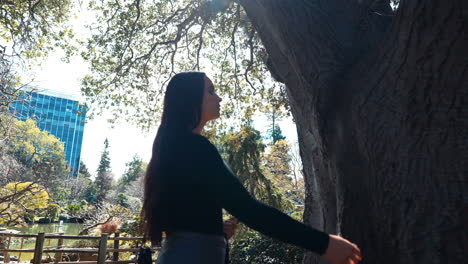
column 381, row 106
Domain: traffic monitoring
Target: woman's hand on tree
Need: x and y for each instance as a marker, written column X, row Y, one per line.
column 341, row 251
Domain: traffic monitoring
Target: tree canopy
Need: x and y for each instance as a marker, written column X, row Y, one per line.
column 136, row 46
column 30, row 30
column 40, row 154
column 19, row 198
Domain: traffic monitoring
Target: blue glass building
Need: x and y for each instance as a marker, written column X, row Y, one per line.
column 59, row 114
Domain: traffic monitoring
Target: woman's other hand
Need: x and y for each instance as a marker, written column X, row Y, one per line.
column 230, row 226
column 341, row 251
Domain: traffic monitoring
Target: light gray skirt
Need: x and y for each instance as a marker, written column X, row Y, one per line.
column 192, row 248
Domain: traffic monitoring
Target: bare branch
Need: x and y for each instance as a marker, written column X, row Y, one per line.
column 250, row 62
column 87, row 229
column 200, row 44
column 233, row 44
column 132, row 31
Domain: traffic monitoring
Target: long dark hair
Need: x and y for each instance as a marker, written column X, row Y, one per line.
column 181, row 113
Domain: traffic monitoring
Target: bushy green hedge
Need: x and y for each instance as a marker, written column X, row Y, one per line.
column 255, row 248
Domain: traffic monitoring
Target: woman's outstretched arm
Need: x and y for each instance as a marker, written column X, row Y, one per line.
column 232, row 196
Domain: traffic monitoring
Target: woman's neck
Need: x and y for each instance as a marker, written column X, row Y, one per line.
column 199, row 129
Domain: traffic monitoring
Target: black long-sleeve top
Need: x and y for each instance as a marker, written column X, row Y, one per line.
column 197, row 185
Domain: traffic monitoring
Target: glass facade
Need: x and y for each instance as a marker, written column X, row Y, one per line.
column 62, row 117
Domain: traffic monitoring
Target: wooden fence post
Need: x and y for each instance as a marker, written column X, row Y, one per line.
column 102, row 249
column 38, row 248
column 3, row 242
column 6, row 256
column 21, row 247
column 58, row 255
column 116, row 245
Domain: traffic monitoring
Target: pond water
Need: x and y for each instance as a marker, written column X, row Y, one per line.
column 66, row 228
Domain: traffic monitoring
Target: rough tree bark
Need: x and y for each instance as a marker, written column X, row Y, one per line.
column 380, row 100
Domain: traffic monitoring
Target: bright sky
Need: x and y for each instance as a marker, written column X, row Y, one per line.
column 125, row 140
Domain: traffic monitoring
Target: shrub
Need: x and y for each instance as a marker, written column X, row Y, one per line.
column 255, row 248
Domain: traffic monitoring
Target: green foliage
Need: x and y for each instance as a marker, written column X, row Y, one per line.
column 60, row 193
column 104, row 182
column 122, row 200
column 104, row 163
column 52, row 211
column 85, row 243
column 73, row 209
column 135, row 169
column 131, row 227
column 243, row 151
column 40, row 154
column 83, row 171
column 277, row 160
column 91, row 193
column 277, row 164
column 33, row 146
column 29, row 30
column 276, row 134
column 104, row 179
column 255, row 248
column 20, row 198
column 36, row 27
column 274, row 115
column 136, row 46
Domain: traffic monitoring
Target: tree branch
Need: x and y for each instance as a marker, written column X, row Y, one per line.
column 200, row 45
column 250, row 62
column 86, row 230
column 132, row 31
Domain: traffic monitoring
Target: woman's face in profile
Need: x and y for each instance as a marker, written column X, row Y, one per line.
column 210, row 104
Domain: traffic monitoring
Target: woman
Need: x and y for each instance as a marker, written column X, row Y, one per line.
column 187, row 185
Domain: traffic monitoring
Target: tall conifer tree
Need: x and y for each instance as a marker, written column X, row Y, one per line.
column 104, row 174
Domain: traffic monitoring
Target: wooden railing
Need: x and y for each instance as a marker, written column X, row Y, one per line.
column 102, row 250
